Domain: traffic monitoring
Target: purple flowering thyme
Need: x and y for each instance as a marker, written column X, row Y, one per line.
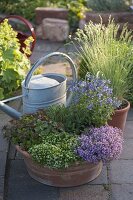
column 96, row 98
column 100, row 144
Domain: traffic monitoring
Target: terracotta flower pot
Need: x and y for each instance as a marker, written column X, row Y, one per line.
column 119, row 117
column 72, row 176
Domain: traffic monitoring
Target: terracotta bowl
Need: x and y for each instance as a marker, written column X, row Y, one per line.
column 75, row 175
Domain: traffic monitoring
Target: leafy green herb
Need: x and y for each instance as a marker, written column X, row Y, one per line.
column 31, row 129
column 56, row 151
column 13, row 63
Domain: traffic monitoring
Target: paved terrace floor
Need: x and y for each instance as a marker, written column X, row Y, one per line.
column 114, row 183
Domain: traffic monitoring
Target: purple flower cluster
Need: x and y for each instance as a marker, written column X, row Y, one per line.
column 95, row 96
column 100, row 144
column 96, row 89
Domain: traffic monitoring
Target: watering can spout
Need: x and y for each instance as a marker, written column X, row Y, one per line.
column 10, row 111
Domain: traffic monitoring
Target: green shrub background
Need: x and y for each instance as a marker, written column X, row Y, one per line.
column 26, row 8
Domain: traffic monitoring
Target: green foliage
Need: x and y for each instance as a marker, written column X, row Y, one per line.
column 56, row 151
column 44, row 139
column 30, row 129
column 109, row 5
column 74, row 118
column 26, row 8
column 13, row 63
column 51, row 136
column 77, row 9
column 101, row 51
column 92, row 105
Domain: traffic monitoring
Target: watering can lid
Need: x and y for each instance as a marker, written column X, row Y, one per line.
column 42, row 82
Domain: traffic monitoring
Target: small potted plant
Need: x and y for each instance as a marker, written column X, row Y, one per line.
column 107, row 51
column 66, row 147
column 13, row 63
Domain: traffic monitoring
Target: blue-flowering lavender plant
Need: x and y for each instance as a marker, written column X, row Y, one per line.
column 95, row 97
column 100, row 144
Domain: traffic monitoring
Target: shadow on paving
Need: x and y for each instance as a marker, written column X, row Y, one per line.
column 21, row 186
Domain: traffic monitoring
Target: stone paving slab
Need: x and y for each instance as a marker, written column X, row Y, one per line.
column 43, row 48
column 12, row 152
column 129, row 130
column 47, row 46
column 1, row 184
column 21, row 186
column 101, row 179
column 130, row 115
column 121, row 171
column 3, row 119
column 60, row 67
column 37, row 55
column 3, row 142
column 122, row 192
column 127, row 149
column 1, row 196
column 85, row 192
column 3, row 157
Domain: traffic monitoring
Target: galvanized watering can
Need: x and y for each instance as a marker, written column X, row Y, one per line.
column 36, row 97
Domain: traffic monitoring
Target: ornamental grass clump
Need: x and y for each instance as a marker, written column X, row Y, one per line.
column 100, row 144
column 109, row 51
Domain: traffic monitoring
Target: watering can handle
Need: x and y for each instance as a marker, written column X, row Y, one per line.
column 44, row 59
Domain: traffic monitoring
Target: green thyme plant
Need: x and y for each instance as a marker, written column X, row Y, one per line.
column 56, row 151
column 74, row 118
column 102, row 50
column 13, row 63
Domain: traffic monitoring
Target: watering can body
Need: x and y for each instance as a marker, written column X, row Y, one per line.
column 42, row 97
column 35, row 99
